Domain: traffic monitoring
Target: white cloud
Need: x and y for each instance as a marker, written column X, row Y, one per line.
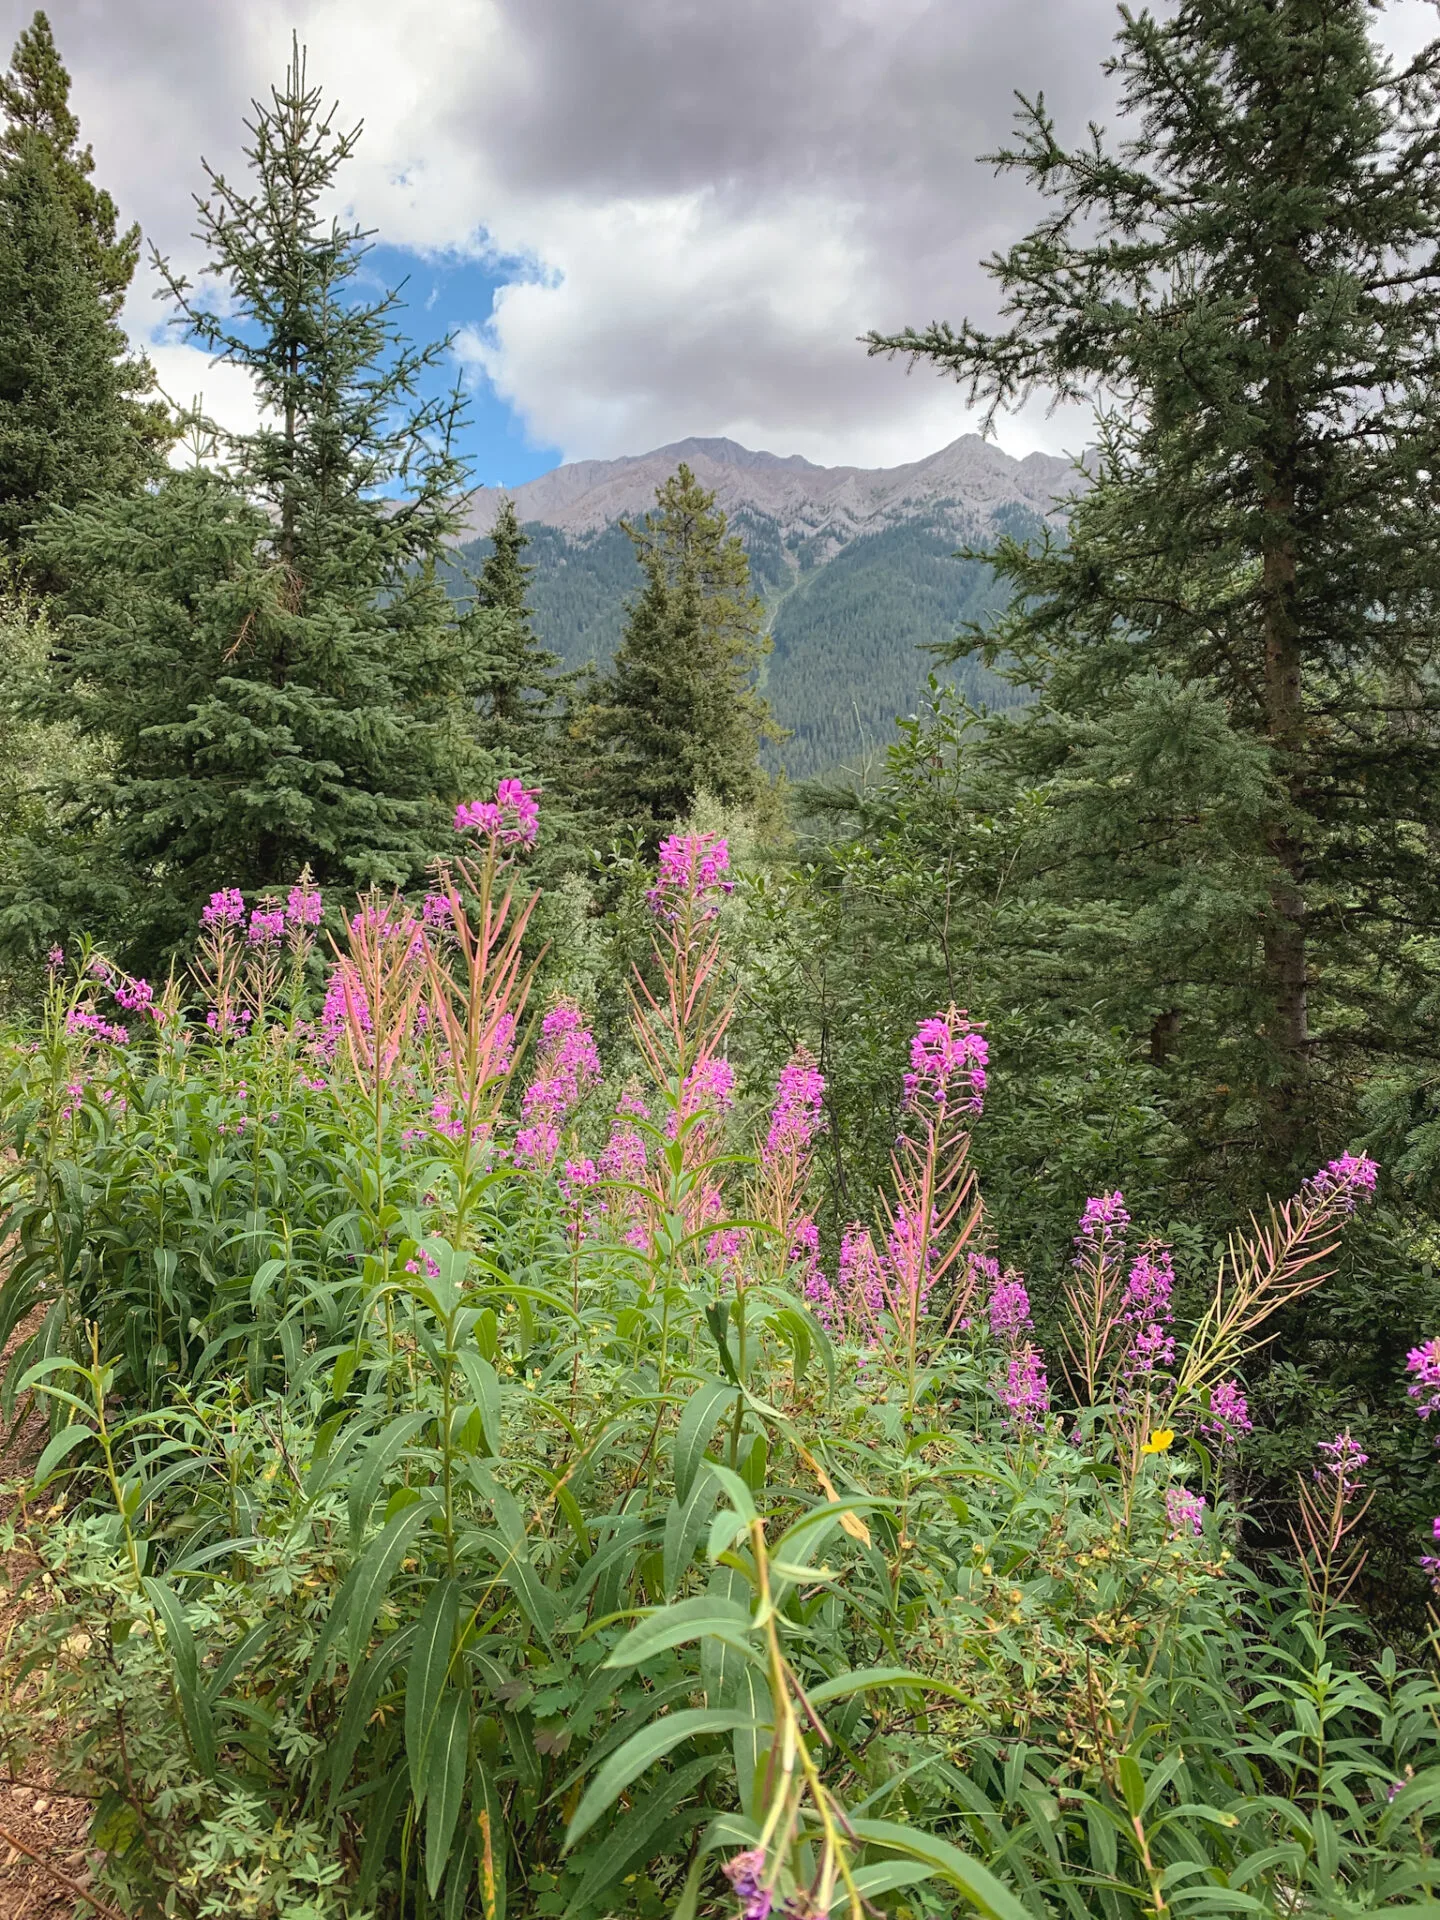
column 711, row 203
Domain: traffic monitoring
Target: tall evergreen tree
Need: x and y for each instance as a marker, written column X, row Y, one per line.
column 1249, row 285
column 679, row 713
column 72, row 419
column 517, row 684
column 35, row 103
column 266, row 649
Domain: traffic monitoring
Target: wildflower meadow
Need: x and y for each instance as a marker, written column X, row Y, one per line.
column 481, row 1480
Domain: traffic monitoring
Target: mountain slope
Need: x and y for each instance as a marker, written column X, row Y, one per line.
column 855, row 565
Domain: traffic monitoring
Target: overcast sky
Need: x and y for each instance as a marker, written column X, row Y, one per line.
column 643, row 218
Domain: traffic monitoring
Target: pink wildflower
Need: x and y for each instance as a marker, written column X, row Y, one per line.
column 133, row 995
column 85, row 1023
column 795, row 1118
column 423, row 1263
column 1184, row 1511
column 948, row 1060
column 1148, row 1311
column 1229, row 1415
column 1025, row 1392
column 709, row 1088
column 1344, row 1463
column 55, row 959
column 1430, row 1562
column 226, row 909
column 1103, row 1220
column 1009, row 1307
column 692, row 869
column 1346, row 1179
column 568, row 1066
column 1424, row 1362
column 537, row 1145
column 862, row 1273
column 267, row 925
column 743, row 1873
column 511, row 819
column 303, row 906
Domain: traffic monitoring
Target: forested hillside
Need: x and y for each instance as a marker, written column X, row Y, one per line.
column 850, row 617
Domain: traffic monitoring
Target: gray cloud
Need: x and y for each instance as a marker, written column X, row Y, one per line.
column 716, row 200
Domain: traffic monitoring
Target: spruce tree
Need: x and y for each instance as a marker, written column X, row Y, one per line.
column 1249, row 287
column 35, row 103
column 265, row 648
column 517, row 684
column 72, row 419
column 679, row 714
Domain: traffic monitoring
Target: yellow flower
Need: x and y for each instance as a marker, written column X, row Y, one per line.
column 1160, row 1441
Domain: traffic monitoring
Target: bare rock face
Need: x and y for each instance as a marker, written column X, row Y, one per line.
column 832, row 505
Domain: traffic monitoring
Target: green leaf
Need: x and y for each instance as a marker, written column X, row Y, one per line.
column 430, row 1658
column 484, row 1384
column 445, row 1782
column 844, row 1684
column 630, row 1840
column 702, row 1410
column 378, row 1461
column 967, row 1876
column 180, row 1643
column 684, row 1523
column 642, row 1750
column 65, row 1442
column 358, row 1601
column 686, row 1620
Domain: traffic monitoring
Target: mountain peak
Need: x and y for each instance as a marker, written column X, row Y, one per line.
column 806, row 501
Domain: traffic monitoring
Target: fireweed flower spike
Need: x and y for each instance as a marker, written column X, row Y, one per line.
column 795, row 1118
column 511, row 819
column 1025, row 1391
column 267, row 925
column 948, row 1061
column 569, row 1066
column 226, row 909
column 743, row 1873
column 1184, row 1511
column 691, row 872
column 1424, row 1363
column 303, row 906
column 1229, row 1415
column 1348, row 1179
column 1344, row 1460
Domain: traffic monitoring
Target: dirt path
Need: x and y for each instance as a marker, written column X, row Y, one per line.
column 33, row 1811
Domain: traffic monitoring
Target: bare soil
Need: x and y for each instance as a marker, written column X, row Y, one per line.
column 35, row 1813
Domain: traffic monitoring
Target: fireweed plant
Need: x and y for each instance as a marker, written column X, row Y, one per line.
column 470, row 1492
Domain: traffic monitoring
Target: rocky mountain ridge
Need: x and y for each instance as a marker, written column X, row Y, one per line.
column 803, row 501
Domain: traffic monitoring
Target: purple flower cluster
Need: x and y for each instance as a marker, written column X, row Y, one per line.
column 709, row 1088
column 1009, row 1308
column 133, row 995
column 1345, row 1180
column 226, row 909
column 1103, row 1221
column 743, row 1873
column 1430, row 1562
column 795, row 1118
column 267, row 924
column 568, row 1067
column 303, row 905
column 948, row 1060
column 1344, row 1461
column 692, row 871
column 85, row 1023
column 55, row 959
column 1424, row 1362
column 1025, row 1390
column 1185, row 1511
column 511, row 819
column 1229, row 1414
column 1147, row 1310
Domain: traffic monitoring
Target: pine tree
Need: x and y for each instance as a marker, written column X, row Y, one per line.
column 1249, row 286
column 266, row 648
column 35, row 102
column 679, row 714
column 517, row 685
column 72, row 421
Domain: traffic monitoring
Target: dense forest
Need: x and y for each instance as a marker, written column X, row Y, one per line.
column 593, row 1330
column 852, row 636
